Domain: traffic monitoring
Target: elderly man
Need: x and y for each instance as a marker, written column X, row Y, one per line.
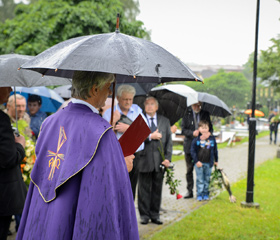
column 150, row 174
column 189, row 126
column 20, row 109
column 12, row 187
column 128, row 111
column 80, row 186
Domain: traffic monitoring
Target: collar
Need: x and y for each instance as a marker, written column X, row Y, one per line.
column 119, row 109
column 79, row 101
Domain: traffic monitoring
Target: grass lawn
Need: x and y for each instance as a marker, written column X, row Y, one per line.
column 220, row 219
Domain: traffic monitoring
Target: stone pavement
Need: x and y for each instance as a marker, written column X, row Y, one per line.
column 233, row 160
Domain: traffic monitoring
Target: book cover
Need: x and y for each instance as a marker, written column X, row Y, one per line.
column 134, row 136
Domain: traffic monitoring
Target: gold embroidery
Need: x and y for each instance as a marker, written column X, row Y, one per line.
column 54, row 162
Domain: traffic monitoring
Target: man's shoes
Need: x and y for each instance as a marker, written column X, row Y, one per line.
column 199, row 198
column 157, row 221
column 144, row 221
column 189, row 195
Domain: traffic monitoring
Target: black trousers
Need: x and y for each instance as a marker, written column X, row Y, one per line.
column 4, row 226
column 189, row 175
column 133, row 174
column 149, row 194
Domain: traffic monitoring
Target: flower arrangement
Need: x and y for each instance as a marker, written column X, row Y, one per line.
column 28, row 161
column 173, row 183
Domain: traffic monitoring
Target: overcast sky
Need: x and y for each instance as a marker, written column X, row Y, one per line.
column 210, row 31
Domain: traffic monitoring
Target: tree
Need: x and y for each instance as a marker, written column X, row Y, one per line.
column 269, row 65
column 42, row 24
column 233, row 88
column 131, row 9
column 7, row 8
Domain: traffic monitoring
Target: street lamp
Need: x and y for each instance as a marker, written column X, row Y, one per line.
column 252, row 127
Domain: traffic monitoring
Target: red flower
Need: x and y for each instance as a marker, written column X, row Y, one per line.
column 179, row 196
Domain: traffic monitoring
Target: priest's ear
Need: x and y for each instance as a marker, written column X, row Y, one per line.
column 94, row 90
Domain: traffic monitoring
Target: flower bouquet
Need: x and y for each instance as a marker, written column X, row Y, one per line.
column 28, row 161
column 173, row 183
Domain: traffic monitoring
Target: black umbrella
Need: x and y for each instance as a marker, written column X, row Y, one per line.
column 132, row 59
column 11, row 76
column 172, row 100
column 214, row 105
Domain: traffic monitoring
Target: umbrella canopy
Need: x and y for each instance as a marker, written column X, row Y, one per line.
column 140, row 88
column 132, row 59
column 258, row 113
column 172, row 100
column 51, row 101
column 64, row 91
column 11, row 76
column 214, row 105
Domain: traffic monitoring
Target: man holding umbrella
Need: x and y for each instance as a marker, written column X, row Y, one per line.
column 189, row 126
column 125, row 113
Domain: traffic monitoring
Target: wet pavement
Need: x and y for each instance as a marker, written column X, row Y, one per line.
column 233, row 160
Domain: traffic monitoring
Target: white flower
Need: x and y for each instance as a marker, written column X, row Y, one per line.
column 27, row 167
column 27, row 153
column 24, row 177
column 27, row 143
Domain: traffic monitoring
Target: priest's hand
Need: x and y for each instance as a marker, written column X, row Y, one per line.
column 166, row 163
column 129, row 162
column 121, row 127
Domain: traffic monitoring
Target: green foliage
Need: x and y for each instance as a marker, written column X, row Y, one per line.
column 42, row 24
column 232, row 87
column 268, row 68
column 6, row 9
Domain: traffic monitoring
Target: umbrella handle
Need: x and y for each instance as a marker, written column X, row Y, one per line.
column 113, row 102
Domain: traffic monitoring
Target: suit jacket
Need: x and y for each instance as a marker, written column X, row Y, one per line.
column 150, row 158
column 12, row 188
column 188, row 126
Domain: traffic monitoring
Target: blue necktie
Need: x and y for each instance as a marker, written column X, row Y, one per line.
column 153, row 126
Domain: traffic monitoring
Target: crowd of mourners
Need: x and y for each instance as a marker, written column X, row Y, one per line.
column 82, row 186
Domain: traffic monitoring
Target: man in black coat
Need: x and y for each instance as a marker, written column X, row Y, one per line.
column 189, row 126
column 150, row 174
column 12, row 188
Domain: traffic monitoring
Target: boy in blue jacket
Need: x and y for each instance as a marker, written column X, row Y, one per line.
column 205, row 154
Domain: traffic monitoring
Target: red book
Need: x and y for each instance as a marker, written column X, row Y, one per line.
column 134, row 136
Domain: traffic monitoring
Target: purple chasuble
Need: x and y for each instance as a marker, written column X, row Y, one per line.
column 80, row 186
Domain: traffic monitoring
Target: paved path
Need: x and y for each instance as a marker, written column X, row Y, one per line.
column 233, row 160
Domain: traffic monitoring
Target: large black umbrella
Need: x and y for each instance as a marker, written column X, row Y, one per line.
column 214, row 105
column 11, row 76
column 132, row 59
column 172, row 100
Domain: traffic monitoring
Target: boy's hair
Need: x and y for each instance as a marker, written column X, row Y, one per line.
column 203, row 122
column 35, row 98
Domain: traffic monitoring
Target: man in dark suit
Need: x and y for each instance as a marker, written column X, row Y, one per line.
column 189, row 126
column 12, row 188
column 150, row 174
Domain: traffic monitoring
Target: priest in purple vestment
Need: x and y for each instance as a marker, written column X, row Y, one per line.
column 80, row 186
